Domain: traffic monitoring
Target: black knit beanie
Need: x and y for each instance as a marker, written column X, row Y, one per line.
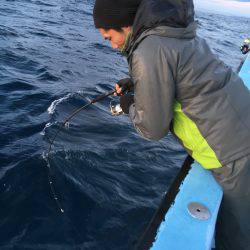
column 111, row 14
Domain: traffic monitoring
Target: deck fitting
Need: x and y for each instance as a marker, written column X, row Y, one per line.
column 198, row 211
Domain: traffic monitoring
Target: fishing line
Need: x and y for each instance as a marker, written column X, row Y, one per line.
column 49, row 171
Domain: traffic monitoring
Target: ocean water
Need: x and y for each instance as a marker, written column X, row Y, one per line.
column 109, row 181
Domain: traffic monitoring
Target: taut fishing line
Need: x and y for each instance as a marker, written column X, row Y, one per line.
column 49, row 171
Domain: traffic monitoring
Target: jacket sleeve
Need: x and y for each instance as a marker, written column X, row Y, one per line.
column 153, row 77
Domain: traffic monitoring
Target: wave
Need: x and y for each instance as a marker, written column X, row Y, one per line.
column 46, row 33
column 51, row 109
column 17, row 85
column 47, row 76
column 7, row 32
column 47, row 125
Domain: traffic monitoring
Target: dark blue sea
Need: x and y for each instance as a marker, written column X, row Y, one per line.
column 107, row 178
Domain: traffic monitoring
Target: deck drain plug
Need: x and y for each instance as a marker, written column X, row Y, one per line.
column 198, row 211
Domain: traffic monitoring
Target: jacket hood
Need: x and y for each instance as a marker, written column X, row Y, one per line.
column 171, row 18
column 153, row 13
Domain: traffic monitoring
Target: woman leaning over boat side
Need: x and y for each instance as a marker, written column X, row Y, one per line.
column 180, row 85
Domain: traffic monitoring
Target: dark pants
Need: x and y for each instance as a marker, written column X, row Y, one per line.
column 233, row 224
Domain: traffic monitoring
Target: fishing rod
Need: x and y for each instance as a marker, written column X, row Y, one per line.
column 75, row 112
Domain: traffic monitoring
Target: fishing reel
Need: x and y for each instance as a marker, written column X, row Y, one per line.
column 126, row 86
column 245, row 48
column 115, row 108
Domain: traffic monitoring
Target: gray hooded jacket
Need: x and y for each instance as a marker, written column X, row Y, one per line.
column 168, row 62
